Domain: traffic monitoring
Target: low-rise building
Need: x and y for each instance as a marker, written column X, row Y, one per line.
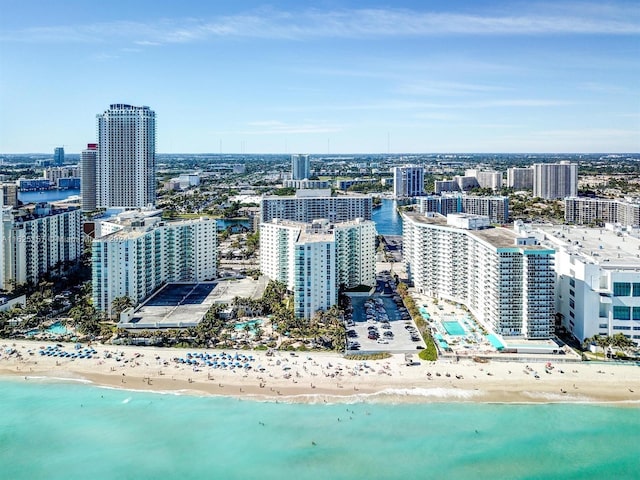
column 597, row 279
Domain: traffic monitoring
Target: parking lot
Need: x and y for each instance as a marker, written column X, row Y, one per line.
column 381, row 324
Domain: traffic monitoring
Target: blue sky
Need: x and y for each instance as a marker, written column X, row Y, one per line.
column 338, row 77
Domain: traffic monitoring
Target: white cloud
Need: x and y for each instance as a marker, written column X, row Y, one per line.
column 572, row 19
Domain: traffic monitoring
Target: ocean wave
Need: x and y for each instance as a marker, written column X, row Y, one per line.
column 553, row 397
column 389, row 395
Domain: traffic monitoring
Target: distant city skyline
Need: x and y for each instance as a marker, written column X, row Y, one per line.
column 341, row 77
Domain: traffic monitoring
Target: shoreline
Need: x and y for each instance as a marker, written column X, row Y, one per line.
column 324, row 377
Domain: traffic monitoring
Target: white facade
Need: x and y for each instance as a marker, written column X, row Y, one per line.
column 494, row 207
column 408, row 181
column 520, row 178
column 54, row 173
column 597, row 280
column 601, row 210
column 39, row 238
column 309, row 204
column 316, row 259
column 125, row 170
column 555, row 180
column 141, row 257
column 505, row 283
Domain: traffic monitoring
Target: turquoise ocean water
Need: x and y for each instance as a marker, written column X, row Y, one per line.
column 52, row 430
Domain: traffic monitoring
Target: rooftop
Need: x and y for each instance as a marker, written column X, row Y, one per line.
column 603, row 246
column 498, row 237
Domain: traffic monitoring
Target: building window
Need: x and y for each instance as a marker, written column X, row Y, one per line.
column 636, row 313
column 621, row 313
column 572, row 282
column 621, row 289
column 636, row 289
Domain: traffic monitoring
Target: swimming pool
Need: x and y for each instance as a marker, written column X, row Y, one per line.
column 454, row 328
column 252, row 325
column 55, row 329
column 495, row 341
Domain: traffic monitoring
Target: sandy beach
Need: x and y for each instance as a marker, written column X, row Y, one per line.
column 326, row 377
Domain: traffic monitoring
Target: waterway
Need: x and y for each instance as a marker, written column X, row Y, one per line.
column 387, row 218
column 46, row 195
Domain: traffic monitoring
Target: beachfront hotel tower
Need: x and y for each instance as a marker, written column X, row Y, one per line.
column 142, row 253
column 300, row 167
column 408, row 181
column 126, row 158
column 316, row 259
column 505, row 280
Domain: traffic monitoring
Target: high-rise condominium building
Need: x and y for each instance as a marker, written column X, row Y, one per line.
column 316, row 259
column 144, row 253
column 520, row 178
column 300, row 167
column 38, row 238
column 88, row 160
column 506, row 281
column 495, row 207
column 555, row 180
column 126, row 161
column 58, row 156
column 309, row 204
column 408, row 181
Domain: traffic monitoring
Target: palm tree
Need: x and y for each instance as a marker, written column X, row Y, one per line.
column 119, row 305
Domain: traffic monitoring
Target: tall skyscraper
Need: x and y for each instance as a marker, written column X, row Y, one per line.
column 58, row 156
column 555, row 180
column 88, row 177
column 126, row 160
column 408, row 181
column 300, row 167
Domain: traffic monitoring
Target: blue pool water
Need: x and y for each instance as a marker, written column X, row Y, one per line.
column 55, row 329
column 495, row 341
column 252, row 324
column 72, row 430
column 454, row 328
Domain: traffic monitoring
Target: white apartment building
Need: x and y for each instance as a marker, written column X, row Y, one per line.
column 520, row 178
column 494, row 207
column 298, row 184
column 408, row 181
column 316, row 259
column 54, row 173
column 486, row 178
column 583, row 210
column 597, row 279
column 146, row 253
column 506, row 281
column 311, row 204
column 555, row 180
column 37, row 238
column 126, row 161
